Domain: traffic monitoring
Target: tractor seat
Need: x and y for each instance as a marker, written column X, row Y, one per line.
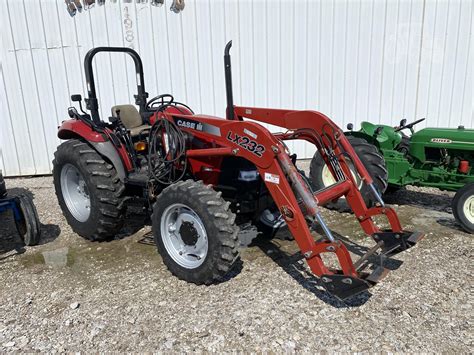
column 131, row 119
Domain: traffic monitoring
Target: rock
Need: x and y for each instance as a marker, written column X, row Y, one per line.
column 290, row 345
column 74, row 305
column 9, row 344
column 169, row 343
column 22, row 341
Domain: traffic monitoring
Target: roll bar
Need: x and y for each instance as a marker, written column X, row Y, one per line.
column 91, row 102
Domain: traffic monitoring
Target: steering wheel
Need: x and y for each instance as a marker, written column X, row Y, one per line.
column 150, row 104
column 410, row 125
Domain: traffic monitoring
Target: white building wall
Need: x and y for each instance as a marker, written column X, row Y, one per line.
column 353, row 60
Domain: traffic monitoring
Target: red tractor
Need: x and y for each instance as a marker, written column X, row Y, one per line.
column 201, row 176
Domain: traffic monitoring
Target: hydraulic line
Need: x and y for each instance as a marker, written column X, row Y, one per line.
column 167, row 150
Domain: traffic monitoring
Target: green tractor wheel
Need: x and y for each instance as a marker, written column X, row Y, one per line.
column 463, row 207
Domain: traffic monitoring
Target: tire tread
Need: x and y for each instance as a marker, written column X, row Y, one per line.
column 107, row 188
column 217, row 216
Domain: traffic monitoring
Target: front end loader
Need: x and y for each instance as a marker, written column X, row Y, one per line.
column 200, row 177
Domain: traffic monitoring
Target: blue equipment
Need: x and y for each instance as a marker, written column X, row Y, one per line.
column 24, row 213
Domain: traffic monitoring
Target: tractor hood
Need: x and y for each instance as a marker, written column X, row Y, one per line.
column 449, row 138
column 445, row 137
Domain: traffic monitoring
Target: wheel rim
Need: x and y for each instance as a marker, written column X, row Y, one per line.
column 184, row 236
column 468, row 209
column 75, row 193
column 328, row 178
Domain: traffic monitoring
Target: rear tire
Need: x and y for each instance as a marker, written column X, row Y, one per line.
column 373, row 162
column 102, row 217
column 3, row 188
column 463, row 207
column 195, row 232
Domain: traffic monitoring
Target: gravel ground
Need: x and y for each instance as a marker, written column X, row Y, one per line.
column 68, row 294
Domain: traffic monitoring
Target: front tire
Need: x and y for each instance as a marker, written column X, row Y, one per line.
column 321, row 177
column 195, row 232
column 89, row 191
column 463, row 207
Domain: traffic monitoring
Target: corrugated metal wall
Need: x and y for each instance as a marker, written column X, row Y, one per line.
column 353, row 60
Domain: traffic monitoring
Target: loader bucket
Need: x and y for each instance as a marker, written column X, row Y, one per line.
column 394, row 243
column 389, row 243
column 342, row 286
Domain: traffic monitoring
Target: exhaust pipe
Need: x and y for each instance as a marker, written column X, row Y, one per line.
column 230, row 115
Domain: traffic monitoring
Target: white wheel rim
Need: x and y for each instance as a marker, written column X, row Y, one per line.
column 75, row 193
column 468, row 209
column 184, row 236
column 328, row 179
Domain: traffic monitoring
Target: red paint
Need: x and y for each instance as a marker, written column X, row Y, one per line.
column 73, row 128
column 305, row 125
column 463, row 167
column 215, row 138
column 208, row 152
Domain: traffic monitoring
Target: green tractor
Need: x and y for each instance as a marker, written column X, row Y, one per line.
column 432, row 157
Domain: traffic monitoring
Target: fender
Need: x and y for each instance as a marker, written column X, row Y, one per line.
column 108, row 150
column 74, row 128
column 70, row 129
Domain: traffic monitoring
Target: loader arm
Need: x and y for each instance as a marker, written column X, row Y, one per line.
column 268, row 153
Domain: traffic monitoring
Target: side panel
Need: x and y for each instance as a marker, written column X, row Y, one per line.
column 455, row 139
column 398, row 168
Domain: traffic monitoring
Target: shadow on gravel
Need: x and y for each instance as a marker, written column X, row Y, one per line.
column 135, row 219
column 295, row 266
column 359, row 250
column 426, row 200
column 10, row 242
column 450, row 223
